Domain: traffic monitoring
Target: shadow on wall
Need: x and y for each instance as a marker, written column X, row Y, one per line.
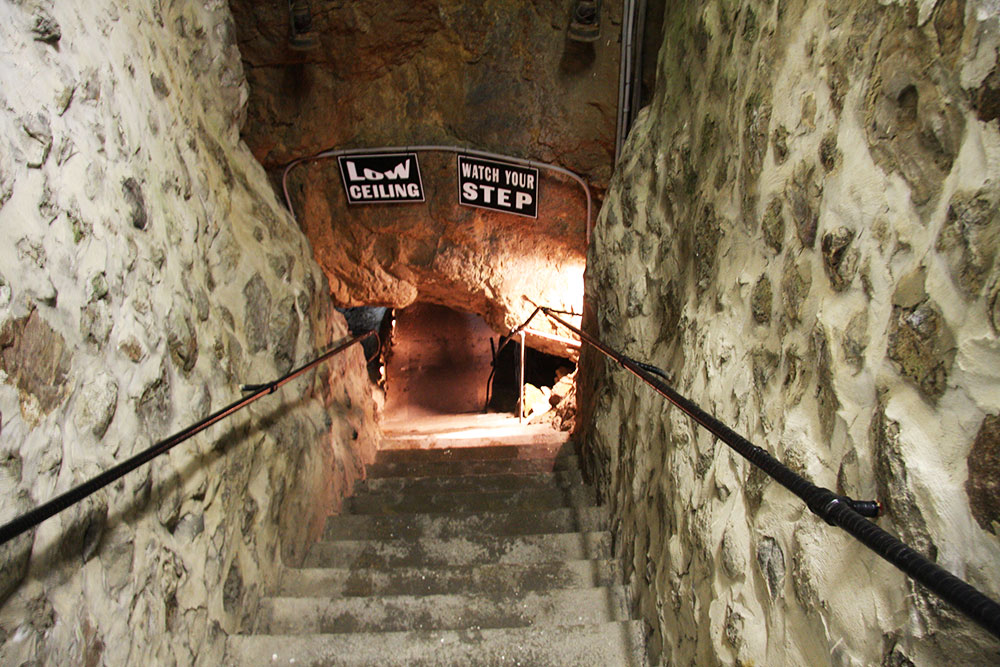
column 362, row 319
column 157, row 490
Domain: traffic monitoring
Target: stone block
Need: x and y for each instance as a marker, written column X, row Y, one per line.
column 773, row 224
column 232, row 590
column 182, row 339
column 760, row 301
column 132, row 191
column 36, row 142
column 913, row 123
column 257, row 313
column 771, row 561
column 45, row 28
column 796, row 282
column 840, row 259
column 83, row 527
column 803, row 193
column 923, row 347
column 36, row 359
column 733, row 558
column 983, row 483
column 96, row 404
column 970, row 237
column 855, row 339
column 284, row 333
column 829, row 155
column 779, row 142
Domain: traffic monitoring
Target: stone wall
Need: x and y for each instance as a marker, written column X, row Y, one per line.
column 803, row 232
column 499, row 76
column 146, row 271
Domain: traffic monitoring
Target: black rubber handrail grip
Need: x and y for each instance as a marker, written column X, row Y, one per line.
column 32, row 518
column 835, row 509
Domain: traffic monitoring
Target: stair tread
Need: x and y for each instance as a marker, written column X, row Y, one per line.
column 443, row 525
column 502, row 578
column 463, row 468
column 384, row 502
column 396, row 438
column 460, row 550
column 497, row 482
column 478, row 555
column 607, row 644
column 304, row 615
column 477, row 453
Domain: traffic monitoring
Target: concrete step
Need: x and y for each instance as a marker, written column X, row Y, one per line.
column 461, row 468
column 492, row 579
column 459, row 550
column 316, row 615
column 456, row 556
column 548, row 480
column 474, row 430
column 479, row 453
column 450, row 525
column 384, row 502
column 618, row 644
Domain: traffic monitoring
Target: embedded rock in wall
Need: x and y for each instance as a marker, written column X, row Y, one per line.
column 140, row 242
column 983, row 485
column 970, row 237
column 819, row 180
column 36, row 360
column 501, row 77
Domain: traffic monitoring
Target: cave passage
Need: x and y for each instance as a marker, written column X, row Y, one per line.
column 540, row 370
column 437, row 364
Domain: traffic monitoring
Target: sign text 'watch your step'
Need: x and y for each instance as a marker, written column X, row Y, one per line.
column 498, row 186
column 381, row 178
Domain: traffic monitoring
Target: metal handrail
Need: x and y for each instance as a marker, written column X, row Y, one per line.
column 835, row 509
column 32, row 518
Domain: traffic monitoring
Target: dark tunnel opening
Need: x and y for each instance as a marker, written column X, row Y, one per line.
column 541, row 371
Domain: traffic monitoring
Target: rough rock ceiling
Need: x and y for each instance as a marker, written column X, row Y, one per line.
column 499, row 76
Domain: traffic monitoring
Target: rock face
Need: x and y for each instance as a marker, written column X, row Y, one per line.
column 499, row 76
column 803, row 234
column 463, row 258
column 146, row 270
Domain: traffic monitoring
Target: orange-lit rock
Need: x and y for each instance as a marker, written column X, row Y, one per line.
column 502, row 78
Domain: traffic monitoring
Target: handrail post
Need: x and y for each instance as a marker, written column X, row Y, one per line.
column 520, row 382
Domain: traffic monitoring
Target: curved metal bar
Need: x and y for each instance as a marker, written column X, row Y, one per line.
column 32, row 518
column 568, row 342
column 331, row 153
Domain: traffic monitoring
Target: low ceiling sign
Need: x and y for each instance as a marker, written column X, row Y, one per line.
column 498, row 186
column 381, row 178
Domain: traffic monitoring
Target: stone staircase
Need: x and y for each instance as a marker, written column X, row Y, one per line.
column 479, row 555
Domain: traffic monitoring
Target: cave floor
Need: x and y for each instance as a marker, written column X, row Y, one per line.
column 439, row 431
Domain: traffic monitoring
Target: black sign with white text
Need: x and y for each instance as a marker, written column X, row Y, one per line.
column 498, row 186
column 386, row 178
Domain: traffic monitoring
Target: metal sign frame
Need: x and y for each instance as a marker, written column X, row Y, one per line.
column 460, row 150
